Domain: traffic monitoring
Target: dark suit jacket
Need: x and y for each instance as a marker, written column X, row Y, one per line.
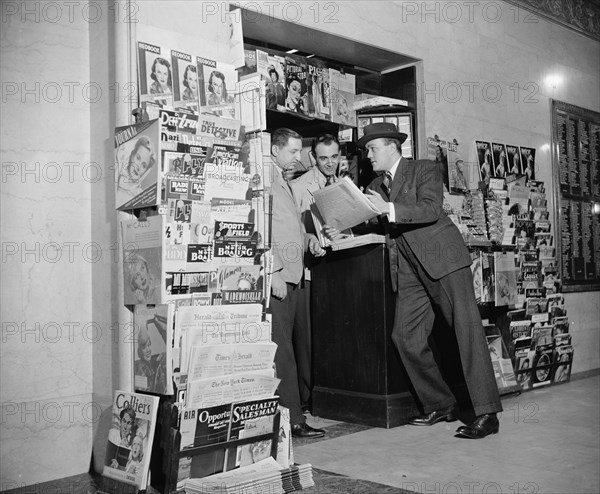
column 417, row 194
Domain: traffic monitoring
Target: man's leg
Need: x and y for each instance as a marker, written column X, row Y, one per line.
column 457, row 302
column 302, row 345
column 412, row 326
column 284, row 312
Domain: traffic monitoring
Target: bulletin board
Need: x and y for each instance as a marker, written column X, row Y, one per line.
column 576, row 169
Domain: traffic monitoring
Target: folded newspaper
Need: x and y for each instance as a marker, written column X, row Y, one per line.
column 342, row 205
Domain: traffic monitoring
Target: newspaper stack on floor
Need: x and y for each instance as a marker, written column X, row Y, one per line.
column 264, row 476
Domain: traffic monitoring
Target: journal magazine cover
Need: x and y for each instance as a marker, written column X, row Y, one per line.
column 137, row 165
column 130, row 439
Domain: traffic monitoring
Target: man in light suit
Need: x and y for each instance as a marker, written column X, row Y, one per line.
column 429, row 264
column 289, row 242
column 325, row 151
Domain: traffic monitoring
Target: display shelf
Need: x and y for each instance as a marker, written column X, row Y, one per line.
column 174, row 452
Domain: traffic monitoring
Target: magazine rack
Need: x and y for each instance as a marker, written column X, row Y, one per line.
column 172, row 453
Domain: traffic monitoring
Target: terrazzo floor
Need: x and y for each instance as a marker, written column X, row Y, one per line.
column 549, row 442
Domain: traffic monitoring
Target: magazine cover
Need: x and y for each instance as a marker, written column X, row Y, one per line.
column 155, row 74
column 505, row 292
column 461, row 176
column 523, row 365
column 499, row 160
column 535, row 306
column 152, row 368
column 271, row 68
column 130, row 438
column 231, row 39
column 201, row 427
column 563, row 361
column 143, row 260
column 542, row 365
column 520, row 329
column 240, row 284
column 484, row 159
column 227, row 173
column 318, row 89
column 342, row 89
column 561, row 325
column 487, row 274
column 185, row 80
column 249, row 418
column 217, row 96
column 477, row 275
column 137, row 165
column 295, row 85
column 250, row 63
column 503, row 369
column 513, row 156
column 528, row 162
column 437, row 150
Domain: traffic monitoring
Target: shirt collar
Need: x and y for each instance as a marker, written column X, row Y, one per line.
column 394, row 168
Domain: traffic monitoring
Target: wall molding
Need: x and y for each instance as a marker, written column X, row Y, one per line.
column 582, row 16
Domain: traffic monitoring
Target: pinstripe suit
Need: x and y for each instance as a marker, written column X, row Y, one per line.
column 429, row 265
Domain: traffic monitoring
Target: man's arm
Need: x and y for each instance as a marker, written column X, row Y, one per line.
column 425, row 207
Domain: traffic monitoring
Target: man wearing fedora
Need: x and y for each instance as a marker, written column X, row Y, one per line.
column 430, row 272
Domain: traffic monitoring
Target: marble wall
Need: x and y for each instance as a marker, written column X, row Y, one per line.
column 48, row 327
column 489, row 71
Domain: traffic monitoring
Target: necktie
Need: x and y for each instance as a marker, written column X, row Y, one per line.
column 329, row 180
column 387, row 180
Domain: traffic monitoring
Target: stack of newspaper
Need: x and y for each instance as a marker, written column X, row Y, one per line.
column 265, row 476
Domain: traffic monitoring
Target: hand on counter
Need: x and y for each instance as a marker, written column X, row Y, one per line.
column 315, row 247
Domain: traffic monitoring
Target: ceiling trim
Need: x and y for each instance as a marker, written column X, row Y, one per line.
column 582, row 16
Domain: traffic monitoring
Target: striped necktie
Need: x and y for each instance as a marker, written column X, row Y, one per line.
column 387, row 181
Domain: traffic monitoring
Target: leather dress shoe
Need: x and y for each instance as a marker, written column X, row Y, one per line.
column 449, row 414
column 305, row 430
column 482, row 426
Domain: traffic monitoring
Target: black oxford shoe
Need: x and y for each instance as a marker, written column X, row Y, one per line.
column 305, row 430
column 482, row 426
column 449, row 414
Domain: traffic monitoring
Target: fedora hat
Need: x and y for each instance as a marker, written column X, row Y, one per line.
column 381, row 129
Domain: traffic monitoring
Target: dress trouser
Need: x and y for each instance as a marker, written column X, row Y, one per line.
column 454, row 298
column 302, row 347
column 288, row 319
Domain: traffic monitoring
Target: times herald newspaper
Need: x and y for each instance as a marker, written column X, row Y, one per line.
column 129, row 444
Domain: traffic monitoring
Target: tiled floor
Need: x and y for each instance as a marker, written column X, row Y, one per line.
column 549, row 442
